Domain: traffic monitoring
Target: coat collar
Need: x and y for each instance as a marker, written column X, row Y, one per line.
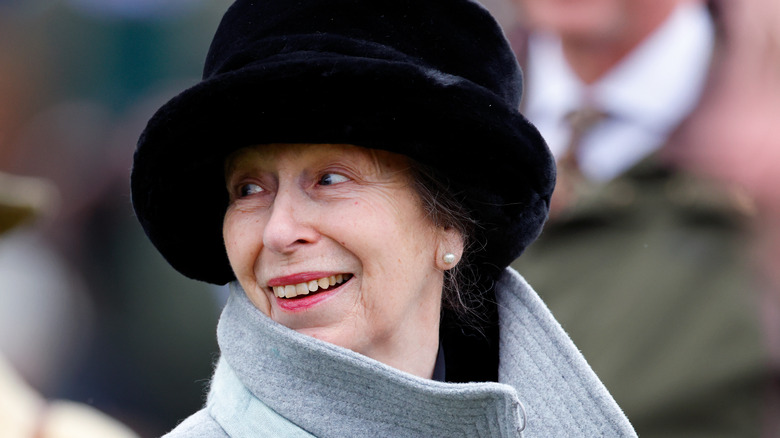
column 330, row 391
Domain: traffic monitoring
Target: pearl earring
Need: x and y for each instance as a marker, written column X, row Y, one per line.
column 449, row 258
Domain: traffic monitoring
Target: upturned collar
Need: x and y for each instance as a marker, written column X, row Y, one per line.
column 330, row 391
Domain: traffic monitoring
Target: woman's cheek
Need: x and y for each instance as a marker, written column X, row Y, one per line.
column 229, row 236
column 242, row 252
column 261, row 300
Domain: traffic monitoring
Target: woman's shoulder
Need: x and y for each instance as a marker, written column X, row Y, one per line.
column 198, row 425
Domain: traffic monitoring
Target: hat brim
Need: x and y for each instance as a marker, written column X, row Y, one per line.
column 496, row 159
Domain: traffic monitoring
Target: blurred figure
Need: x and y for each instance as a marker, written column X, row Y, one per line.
column 646, row 264
column 44, row 310
column 91, row 325
column 24, row 412
column 735, row 137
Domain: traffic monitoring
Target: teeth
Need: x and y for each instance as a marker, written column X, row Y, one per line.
column 294, row 290
column 289, row 291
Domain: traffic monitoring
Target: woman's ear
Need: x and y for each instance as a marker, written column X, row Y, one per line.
column 450, row 248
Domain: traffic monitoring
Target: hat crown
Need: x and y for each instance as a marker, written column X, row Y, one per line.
column 453, row 40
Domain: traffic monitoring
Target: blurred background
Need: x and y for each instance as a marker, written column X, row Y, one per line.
column 660, row 257
column 90, row 312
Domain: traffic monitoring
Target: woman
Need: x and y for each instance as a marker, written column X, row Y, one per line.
column 339, row 162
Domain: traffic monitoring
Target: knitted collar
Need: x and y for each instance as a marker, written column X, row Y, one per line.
column 330, row 391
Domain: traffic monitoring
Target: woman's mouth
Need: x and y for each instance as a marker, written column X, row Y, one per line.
column 310, row 287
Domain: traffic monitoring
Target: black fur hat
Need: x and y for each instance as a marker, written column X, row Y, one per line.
column 431, row 79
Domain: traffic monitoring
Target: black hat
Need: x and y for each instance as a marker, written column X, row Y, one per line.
column 431, row 79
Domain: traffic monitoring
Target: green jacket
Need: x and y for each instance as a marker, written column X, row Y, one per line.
column 650, row 276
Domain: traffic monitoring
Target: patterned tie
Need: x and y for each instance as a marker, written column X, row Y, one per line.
column 570, row 178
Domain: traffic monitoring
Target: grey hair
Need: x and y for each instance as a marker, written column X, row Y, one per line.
column 443, row 208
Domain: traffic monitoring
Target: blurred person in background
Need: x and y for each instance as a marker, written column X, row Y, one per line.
column 735, row 140
column 646, row 264
column 43, row 316
column 45, row 311
column 76, row 82
column 25, row 413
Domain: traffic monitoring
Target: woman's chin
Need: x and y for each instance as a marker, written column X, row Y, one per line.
column 325, row 321
column 337, row 335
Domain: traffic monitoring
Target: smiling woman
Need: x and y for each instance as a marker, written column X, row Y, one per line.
column 332, row 241
column 360, row 175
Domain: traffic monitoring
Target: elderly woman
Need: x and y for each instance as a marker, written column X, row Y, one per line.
column 359, row 174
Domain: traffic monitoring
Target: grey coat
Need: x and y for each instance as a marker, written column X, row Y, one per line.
column 274, row 382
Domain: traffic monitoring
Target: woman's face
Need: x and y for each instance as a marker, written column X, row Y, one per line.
column 332, row 241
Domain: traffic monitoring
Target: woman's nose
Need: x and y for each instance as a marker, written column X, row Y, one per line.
column 291, row 222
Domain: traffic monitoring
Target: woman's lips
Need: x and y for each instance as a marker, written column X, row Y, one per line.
column 300, row 302
column 311, row 286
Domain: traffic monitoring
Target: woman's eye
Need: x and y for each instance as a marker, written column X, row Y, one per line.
column 332, row 178
column 250, row 189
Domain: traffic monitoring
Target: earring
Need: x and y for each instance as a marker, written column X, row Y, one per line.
column 449, row 258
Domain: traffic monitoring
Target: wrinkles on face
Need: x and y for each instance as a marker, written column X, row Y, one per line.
column 302, row 212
